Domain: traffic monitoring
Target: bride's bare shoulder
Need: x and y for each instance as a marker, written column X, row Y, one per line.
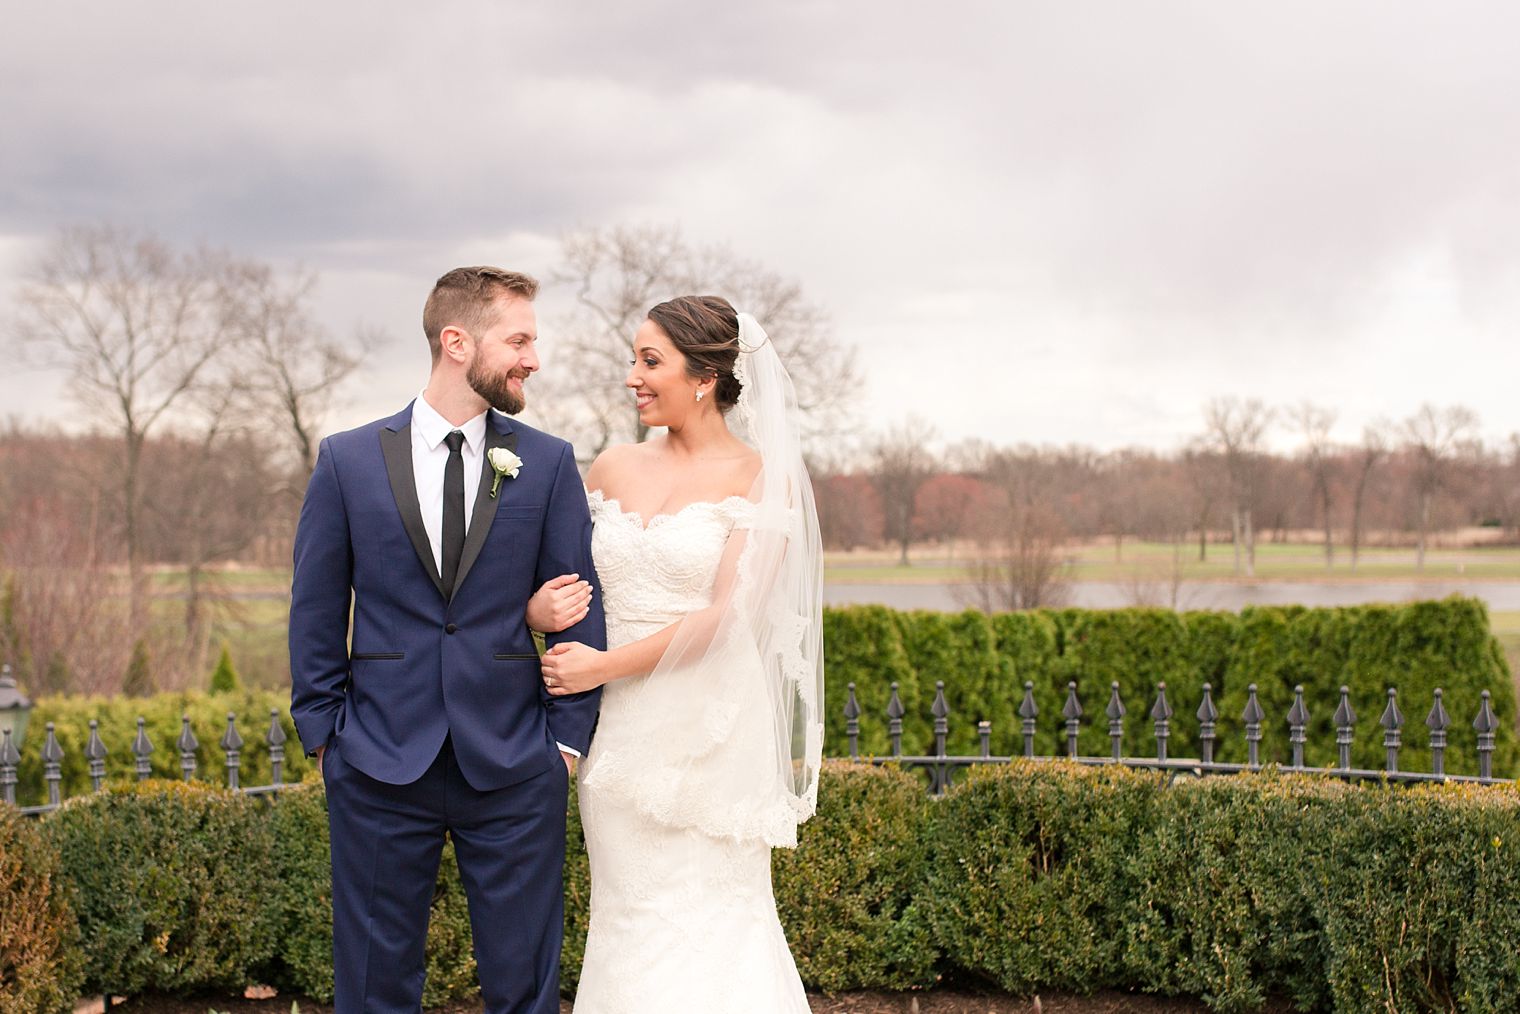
column 742, row 471
column 612, row 467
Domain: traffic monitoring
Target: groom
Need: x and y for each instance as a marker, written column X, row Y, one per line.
column 431, row 720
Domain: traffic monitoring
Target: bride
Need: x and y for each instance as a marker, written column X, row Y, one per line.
column 707, row 751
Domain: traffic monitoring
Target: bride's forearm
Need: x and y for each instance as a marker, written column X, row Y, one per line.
column 638, row 658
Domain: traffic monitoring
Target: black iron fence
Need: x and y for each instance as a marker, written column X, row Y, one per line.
column 141, row 752
column 941, row 766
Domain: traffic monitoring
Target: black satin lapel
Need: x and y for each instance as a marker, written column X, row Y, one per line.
column 397, row 447
column 485, row 508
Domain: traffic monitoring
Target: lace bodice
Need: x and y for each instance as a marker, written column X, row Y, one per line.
column 652, row 575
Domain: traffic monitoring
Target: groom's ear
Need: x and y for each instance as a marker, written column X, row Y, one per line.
column 454, row 342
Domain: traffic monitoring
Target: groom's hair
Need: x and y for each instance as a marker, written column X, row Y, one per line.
column 466, row 298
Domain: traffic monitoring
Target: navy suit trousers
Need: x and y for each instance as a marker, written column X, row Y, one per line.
column 387, row 841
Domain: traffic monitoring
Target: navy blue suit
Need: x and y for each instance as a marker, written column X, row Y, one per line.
column 435, row 720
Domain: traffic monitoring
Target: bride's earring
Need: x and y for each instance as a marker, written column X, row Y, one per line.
column 699, row 395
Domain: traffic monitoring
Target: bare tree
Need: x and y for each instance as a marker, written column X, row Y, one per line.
column 1236, row 429
column 213, row 490
column 1206, row 476
column 135, row 324
column 1435, row 436
column 294, row 367
column 901, row 462
column 618, row 273
column 1314, row 423
column 1019, row 562
column 1371, row 453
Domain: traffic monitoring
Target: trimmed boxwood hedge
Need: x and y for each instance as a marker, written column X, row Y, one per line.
column 41, row 967
column 171, row 885
column 1035, row 875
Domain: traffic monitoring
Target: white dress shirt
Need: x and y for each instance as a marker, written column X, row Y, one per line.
column 430, row 456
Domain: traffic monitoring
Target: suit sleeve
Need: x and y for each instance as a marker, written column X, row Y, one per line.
column 320, row 595
column 566, row 549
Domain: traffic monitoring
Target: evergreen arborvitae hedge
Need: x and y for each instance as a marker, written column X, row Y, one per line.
column 984, row 662
column 118, row 727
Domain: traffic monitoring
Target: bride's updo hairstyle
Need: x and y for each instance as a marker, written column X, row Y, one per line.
column 706, row 331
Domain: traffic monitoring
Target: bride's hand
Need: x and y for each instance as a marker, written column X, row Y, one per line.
column 573, row 668
column 560, row 604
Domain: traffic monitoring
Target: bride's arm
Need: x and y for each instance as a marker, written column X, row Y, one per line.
column 572, row 668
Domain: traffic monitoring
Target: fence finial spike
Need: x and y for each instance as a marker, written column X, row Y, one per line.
column 851, row 705
column 1207, row 712
column 1438, row 720
column 1162, row 709
column 1392, row 718
column 1073, row 709
column 1115, row 709
column 1345, row 715
column 941, row 707
column 1253, row 714
column 1485, row 723
column 231, row 740
column 1027, row 707
column 1298, row 715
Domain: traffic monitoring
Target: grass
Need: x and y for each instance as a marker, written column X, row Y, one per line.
column 1274, row 562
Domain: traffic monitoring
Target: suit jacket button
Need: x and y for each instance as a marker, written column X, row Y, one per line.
column 450, row 628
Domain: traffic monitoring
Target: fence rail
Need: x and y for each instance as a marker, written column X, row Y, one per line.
column 942, row 766
column 142, row 759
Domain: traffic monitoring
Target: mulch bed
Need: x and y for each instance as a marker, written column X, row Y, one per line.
column 939, row 1001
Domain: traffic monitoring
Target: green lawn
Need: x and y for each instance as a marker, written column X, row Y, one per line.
column 1274, row 562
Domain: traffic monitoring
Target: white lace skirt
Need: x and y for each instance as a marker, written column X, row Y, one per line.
column 680, row 921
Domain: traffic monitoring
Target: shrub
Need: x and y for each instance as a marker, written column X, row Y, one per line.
column 1419, row 896
column 1029, row 878
column 170, row 882
column 41, row 967
column 1226, row 902
column 224, row 678
column 846, row 892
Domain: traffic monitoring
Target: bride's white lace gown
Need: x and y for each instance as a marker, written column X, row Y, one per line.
column 683, row 919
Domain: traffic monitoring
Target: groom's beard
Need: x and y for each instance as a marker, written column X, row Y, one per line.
column 495, row 389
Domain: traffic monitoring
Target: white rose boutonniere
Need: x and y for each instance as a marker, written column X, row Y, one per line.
column 505, row 464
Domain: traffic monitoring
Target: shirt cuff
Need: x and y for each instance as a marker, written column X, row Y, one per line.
column 567, row 749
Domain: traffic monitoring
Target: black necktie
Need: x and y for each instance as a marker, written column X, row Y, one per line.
column 453, row 511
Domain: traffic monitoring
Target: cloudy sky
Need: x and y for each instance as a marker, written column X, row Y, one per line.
column 1046, row 222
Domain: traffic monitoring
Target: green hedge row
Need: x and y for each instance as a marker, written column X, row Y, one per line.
column 985, row 660
column 118, row 728
column 1338, row 897
column 1037, row 876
